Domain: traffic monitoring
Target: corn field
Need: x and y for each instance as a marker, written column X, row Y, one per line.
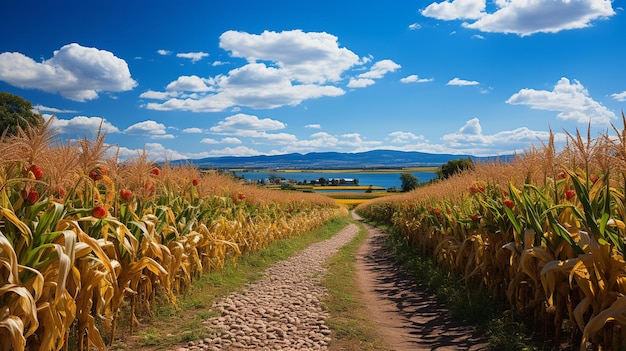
column 83, row 235
column 545, row 233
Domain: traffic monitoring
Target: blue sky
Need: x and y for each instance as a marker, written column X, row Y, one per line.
column 193, row 79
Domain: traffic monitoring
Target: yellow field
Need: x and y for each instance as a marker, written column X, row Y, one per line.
column 350, row 202
column 90, row 243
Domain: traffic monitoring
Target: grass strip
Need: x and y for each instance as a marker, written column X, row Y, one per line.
column 352, row 327
column 169, row 325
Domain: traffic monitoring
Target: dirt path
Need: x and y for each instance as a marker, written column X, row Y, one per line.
column 407, row 318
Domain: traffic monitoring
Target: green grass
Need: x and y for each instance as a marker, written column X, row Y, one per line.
column 170, row 325
column 352, row 328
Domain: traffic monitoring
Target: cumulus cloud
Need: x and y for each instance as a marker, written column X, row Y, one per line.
column 164, row 52
column 380, row 69
column 209, row 141
column 193, row 56
column 231, row 140
column 400, row 137
column 233, row 151
column 282, row 69
column 188, row 83
column 456, row 9
column 377, row 71
column 360, row 82
column 149, row 128
column 76, row 72
column 414, row 78
column 248, row 126
column 316, row 142
column 313, row 57
column 254, row 85
column 414, row 26
column 242, row 122
column 156, row 152
column 313, row 126
column 523, row 17
column 470, row 139
column 570, row 99
column 619, row 96
column 193, row 130
column 157, row 95
column 462, row 82
column 83, row 125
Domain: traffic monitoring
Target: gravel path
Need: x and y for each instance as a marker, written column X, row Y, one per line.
column 280, row 312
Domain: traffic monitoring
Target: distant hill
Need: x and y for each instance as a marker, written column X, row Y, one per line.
column 333, row 160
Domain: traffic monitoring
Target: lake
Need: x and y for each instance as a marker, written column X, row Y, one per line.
column 383, row 179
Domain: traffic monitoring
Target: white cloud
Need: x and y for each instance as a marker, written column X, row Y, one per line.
column 164, row 52
column 413, row 78
column 84, row 125
column 455, row 9
column 241, row 122
column 318, row 141
column 570, row 99
column 253, row 85
column 380, row 69
column 193, row 130
column 243, row 125
column 360, row 82
column 525, row 17
column 41, row 108
column 258, row 86
column 470, row 139
column 313, row 57
column 462, row 82
column 377, row 71
column 157, row 95
column 322, row 141
column 313, row 126
column 619, row 96
column 283, row 69
column 414, row 26
column 193, row 56
column 149, row 128
column 188, row 83
column 231, row 140
column 209, row 141
column 76, row 72
column 156, row 152
column 236, row 151
column 400, row 137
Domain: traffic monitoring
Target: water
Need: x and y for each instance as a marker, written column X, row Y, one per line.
column 385, row 180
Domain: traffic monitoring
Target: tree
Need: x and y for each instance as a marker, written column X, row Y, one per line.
column 15, row 113
column 454, row 166
column 409, row 181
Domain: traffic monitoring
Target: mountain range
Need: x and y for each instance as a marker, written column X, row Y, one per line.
column 334, row 160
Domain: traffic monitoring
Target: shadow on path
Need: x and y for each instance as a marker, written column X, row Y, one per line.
column 410, row 318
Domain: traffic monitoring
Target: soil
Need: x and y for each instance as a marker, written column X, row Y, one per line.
column 407, row 317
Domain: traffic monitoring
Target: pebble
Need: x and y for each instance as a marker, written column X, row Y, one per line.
column 282, row 311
